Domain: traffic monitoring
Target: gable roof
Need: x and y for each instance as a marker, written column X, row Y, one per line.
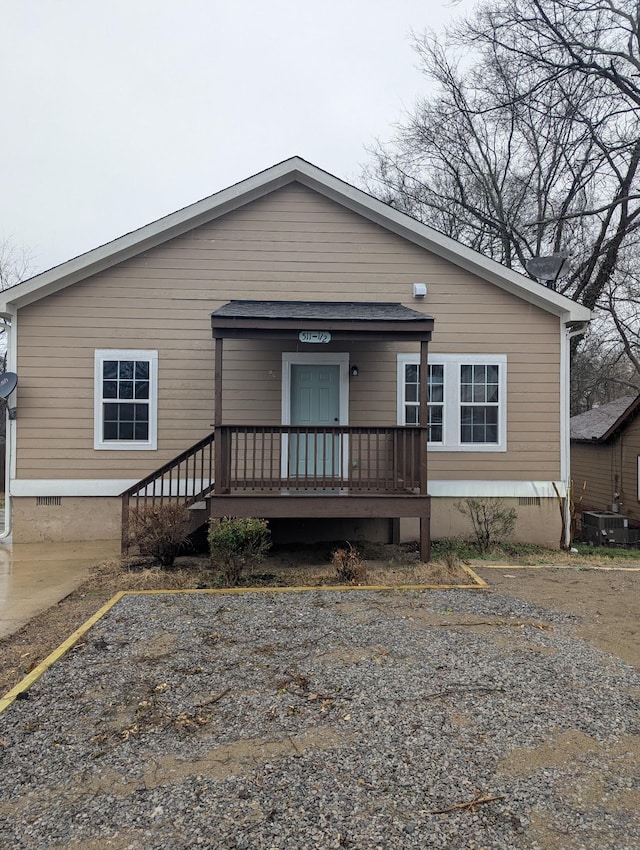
column 261, row 184
column 601, row 423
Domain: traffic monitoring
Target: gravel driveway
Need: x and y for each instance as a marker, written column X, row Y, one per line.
column 325, row 719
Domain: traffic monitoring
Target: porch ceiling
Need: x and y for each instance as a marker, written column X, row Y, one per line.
column 343, row 319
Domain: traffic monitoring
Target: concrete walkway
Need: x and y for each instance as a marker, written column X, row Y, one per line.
column 35, row 576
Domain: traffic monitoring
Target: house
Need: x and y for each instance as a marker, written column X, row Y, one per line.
column 266, row 351
column 605, row 457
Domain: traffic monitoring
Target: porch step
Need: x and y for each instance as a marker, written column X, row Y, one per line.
column 198, row 506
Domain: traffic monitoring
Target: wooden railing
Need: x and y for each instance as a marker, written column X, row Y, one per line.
column 185, row 480
column 284, row 460
column 357, row 458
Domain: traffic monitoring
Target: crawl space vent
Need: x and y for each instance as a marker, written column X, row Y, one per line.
column 48, row 500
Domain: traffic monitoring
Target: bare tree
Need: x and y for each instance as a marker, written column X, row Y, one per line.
column 530, row 144
column 601, row 372
column 16, row 263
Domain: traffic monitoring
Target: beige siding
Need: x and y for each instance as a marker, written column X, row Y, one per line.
column 601, row 470
column 292, row 244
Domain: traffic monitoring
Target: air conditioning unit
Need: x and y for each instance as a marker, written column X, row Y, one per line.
column 604, row 528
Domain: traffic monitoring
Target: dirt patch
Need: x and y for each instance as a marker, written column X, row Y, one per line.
column 607, row 602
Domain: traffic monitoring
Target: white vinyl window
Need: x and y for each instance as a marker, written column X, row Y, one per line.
column 467, row 400
column 126, row 399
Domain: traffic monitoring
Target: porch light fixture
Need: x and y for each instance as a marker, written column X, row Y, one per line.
column 354, row 372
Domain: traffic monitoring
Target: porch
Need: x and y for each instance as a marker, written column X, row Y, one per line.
column 314, row 463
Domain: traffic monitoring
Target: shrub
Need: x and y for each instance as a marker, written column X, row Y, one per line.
column 236, row 542
column 349, row 564
column 160, row 530
column 491, row 521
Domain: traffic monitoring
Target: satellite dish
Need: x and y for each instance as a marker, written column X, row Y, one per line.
column 8, row 382
column 548, row 268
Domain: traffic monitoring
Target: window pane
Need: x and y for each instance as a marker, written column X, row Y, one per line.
column 411, row 415
column 142, row 370
column 436, row 383
column 110, row 430
column 141, row 412
column 478, row 393
column 110, row 369
column 141, row 430
column 142, row 389
column 412, row 392
column 125, row 431
column 110, row 389
column 435, row 424
column 126, row 389
column 125, row 371
column 411, row 373
column 111, row 412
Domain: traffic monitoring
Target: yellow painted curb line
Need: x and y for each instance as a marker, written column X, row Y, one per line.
column 580, row 567
column 35, row 674
column 64, row 647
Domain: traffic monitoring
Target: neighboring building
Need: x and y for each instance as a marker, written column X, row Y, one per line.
column 291, row 314
column 605, row 457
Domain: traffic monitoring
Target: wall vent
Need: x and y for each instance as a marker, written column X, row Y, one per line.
column 48, row 500
column 529, row 500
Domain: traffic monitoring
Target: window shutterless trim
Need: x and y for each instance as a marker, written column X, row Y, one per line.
column 105, row 354
column 452, row 404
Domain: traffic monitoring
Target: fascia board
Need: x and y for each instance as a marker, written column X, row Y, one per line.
column 143, row 239
column 214, row 206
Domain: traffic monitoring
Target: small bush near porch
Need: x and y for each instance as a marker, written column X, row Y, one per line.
column 237, row 543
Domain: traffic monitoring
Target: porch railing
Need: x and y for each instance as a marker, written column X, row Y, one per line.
column 290, row 458
column 284, row 460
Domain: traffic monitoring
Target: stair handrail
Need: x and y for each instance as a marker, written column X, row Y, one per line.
column 176, row 461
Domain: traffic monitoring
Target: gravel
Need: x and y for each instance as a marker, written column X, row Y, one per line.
column 325, row 719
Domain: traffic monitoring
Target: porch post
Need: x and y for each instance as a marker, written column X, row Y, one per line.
column 217, row 419
column 425, row 531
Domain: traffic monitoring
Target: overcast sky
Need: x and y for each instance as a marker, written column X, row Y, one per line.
column 117, row 112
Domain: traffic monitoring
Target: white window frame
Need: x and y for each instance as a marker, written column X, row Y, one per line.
column 451, row 428
column 99, row 443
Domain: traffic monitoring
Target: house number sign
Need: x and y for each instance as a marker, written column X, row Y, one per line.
column 314, row 336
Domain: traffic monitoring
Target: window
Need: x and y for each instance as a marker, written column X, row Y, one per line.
column 467, row 400
column 125, row 399
column 479, row 397
column 436, row 398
